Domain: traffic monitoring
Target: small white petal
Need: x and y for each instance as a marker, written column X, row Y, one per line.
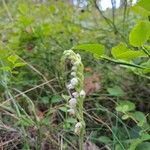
column 82, row 93
column 73, row 74
column 74, row 81
column 77, row 63
column 75, row 94
column 71, row 111
column 72, row 102
column 70, row 86
column 79, row 57
column 78, row 127
column 74, row 68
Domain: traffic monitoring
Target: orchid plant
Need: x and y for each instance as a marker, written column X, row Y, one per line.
column 77, row 94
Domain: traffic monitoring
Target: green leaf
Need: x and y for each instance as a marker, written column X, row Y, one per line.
column 140, row 11
column 134, row 144
column 23, row 8
column 125, row 106
column 104, row 139
column 12, row 58
column 96, row 49
column 64, row 109
column 56, row 99
column 6, row 68
column 145, row 4
column 140, row 117
column 122, row 52
column 140, row 33
column 115, row 91
column 71, row 120
column 19, row 64
column 143, row 146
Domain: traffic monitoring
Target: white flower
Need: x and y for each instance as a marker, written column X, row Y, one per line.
column 78, row 127
column 75, row 94
column 74, row 81
column 74, row 68
column 82, row 93
column 72, row 102
column 79, row 57
column 67, row 52
column 73, row 74
column 70, row 86
column 71, row 111
column 77, row 63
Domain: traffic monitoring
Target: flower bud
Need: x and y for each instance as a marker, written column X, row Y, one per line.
column 74, row 68
column 72, row 102
column 79, row 57
column 82, row 93
column 78, row 127
column 74, row 81
column 70, row 87
column 71, row 111
column 73, row 74
column 77, row 63
column 75, row 94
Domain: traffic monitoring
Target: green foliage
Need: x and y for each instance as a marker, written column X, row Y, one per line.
column 116, row 91
column 122, row 52
column 145, row 4
column 140, row 33
column 96, row 49
column 34, row 34
column 143, row 146
column 125, row 106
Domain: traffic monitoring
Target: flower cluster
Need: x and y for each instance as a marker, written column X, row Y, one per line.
column 75, row 88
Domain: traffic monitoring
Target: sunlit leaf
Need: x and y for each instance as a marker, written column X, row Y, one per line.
column 125, row 106
column 145, row 4
column 122, row 52
column 96, row 49
column 140, row 33
column 12, row 58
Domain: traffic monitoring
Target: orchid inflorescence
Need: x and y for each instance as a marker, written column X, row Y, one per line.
column 75, row 88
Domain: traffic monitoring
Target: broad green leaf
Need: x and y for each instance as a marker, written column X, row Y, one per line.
column 104, row 139
column 143, row 146
column 134, row 143
column 115, row 91
column 12, row 58
column 122, row 52
column 145, row 136
column 145, row 4
column 96, row 49
column 64, row 109
column 56, row 99
column 140, row 11
column 140, row 33
column 140, row 117
column 125, row 106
